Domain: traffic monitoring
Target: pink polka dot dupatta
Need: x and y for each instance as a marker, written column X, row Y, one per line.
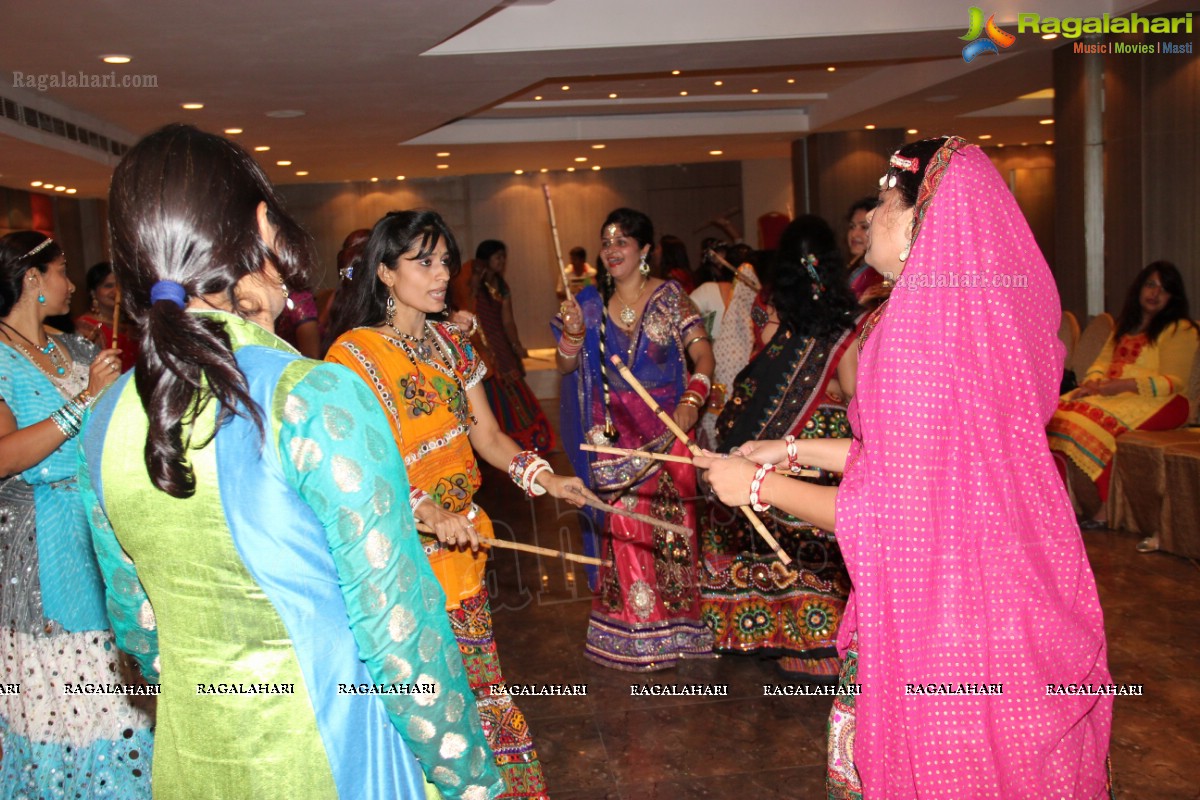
column 968, row 567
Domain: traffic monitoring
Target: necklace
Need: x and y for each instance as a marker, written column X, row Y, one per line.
column 50, row 350
column 628, row 315
column 423, row 352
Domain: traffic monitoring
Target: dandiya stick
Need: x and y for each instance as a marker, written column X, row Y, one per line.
column 562, row 267
column 738, row 275
column 645, row 518
column 696, row 451
column 504, row 544
column 116, row 318
column 624, row 451
column 650, row 454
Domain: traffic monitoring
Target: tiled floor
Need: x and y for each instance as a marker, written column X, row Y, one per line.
column 612, row 745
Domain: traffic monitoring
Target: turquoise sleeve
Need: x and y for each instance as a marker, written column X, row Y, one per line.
column 350, row 473
column 128, row 607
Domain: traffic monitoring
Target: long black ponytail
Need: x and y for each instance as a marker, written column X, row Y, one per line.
column 183, row 207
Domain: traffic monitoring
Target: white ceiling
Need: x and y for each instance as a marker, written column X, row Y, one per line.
column 385, row 85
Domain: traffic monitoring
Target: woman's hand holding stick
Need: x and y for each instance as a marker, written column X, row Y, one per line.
column 696, row 451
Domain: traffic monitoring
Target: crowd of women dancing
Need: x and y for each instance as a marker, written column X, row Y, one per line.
column 188, row 499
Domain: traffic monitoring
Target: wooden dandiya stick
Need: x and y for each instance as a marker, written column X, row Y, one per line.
column 650, row 454
column 738, row 275
column 504, row 544
column 600, row 505
column 562, row 267
column 625, row 451
column 696, row 451
column 116, row 318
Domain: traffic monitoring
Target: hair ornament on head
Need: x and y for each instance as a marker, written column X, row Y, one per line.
column 48, row 241
column 907, row 164
column 347, row 273
column 613, row 230
column 168, row 290
column 810, row 263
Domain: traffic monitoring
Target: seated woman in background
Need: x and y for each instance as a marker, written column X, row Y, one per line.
column 96, row 324
column 797, row 384
column 1138, row 382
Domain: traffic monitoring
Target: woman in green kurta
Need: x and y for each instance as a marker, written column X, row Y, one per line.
column 259, row 553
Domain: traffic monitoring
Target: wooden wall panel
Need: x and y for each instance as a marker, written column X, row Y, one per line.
column 1170, row 122
column 1070, row 266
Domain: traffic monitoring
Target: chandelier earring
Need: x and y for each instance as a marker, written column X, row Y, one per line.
column 644, row 267
column 390, row 311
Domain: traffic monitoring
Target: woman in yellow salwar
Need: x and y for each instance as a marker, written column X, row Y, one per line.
column 428, row 378
column 1138, row 382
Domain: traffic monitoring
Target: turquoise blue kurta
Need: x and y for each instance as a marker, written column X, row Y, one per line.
column 292, row 577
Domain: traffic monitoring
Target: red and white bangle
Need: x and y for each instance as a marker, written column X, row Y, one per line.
column 569, row 348
column 701, row 384
column 756, row 483
column 792, row 463
column 416, row 497
column 524, row 470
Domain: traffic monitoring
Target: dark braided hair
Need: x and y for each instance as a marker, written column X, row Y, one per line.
column 183, row 207
column 637, row 226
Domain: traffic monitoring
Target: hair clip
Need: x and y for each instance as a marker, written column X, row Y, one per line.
column 46, row 243
column 346, row 273
column 907, row 164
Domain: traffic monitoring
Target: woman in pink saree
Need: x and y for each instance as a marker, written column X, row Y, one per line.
column 973, row 600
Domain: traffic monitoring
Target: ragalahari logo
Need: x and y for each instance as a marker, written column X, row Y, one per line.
column 996, row 37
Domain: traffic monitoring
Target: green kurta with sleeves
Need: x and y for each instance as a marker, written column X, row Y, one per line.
column 288, row 607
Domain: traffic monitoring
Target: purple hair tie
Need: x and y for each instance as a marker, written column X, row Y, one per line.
column 168, row 290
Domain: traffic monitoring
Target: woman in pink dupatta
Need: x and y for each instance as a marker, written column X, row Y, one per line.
column 972, row 593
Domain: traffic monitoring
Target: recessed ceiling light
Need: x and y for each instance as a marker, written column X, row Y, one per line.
column 716, row 152
column 1048, row 36
column 300, row 173
column 35, row 184
column 718, row 83
column 283, row 163
column 683, row 94
column 116, row 59
column 537, row 97
column 192, row 106
column 443, row 166
column 984, row 136
column 754, row 91
column 912, row 131
column 442, row 155
column 374, row 180
column 595, row 167
column 566, row 88
column 1049, row 141
column 831, row 69
column 580, row 159
column 232, row 131
column 518, row 172
column 1000, row 145
column 60, row 188
column 612, row 95
column 1024, row 144
column 1045, row 122
column 674, row 72
column 262, row 148
column 399, row 177
column 869, row 127
column 72, row 191
column 543, row 169
column 285, row 113
column 570, row 169
column 599, row 146
column 791, row 80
